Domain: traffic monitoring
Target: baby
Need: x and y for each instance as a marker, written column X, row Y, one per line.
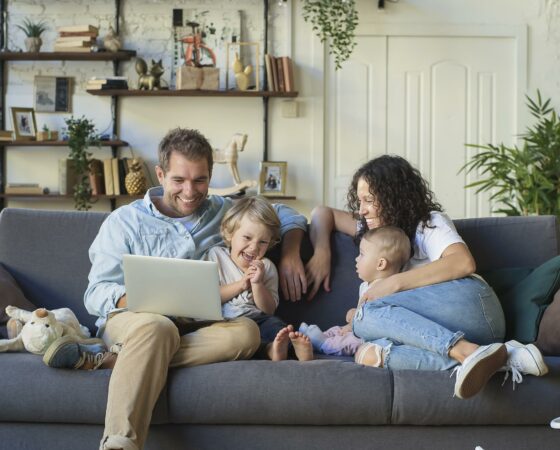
column 249, row 281
column 383, row 252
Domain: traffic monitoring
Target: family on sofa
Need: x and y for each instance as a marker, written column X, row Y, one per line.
column 432, row 314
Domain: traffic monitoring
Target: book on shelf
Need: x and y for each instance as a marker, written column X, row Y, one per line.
column 281, row 86
column 115, row 171
column 288, row 66
column 67, row 176
column 108, row 176
column 274, row 73
column 268, row 68
column 23, row 188
column 75, row 34
column 58, row 48
column 108, row 78
column 77, row 41
column 6, row 135
column 107, row 85
column 73, row 44
column 96, row 180
column 77, row 29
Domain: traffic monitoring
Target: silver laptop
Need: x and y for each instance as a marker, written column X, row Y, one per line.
column 172, row 287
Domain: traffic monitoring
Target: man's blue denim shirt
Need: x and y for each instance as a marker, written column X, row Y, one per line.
column 140, row 229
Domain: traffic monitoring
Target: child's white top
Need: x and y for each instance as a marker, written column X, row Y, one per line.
column 430, row 243
column 243, row 304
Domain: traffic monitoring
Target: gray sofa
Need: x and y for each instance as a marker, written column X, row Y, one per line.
column 323, row 404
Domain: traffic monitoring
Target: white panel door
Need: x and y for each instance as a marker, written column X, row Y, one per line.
column 355, row 115
column 445, row 92
column 421, row 97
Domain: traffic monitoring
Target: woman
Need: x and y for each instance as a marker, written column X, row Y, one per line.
column 435, row 313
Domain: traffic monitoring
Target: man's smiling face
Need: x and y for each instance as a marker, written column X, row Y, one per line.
column 185, row 185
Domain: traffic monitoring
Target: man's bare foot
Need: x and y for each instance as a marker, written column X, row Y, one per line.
column 302, row 346
column 278, row 349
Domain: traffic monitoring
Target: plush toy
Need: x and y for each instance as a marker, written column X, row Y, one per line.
column 37, row 330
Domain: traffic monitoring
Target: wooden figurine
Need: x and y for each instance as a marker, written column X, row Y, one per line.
column 229, row 155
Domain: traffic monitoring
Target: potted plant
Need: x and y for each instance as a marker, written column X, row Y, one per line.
column 523, row 180
column 33, row 31
column 334, row 22
column 81, row 135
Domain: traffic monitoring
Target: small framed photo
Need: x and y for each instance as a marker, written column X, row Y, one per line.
column 52, row 94
column 23, row 121
column 273, row 178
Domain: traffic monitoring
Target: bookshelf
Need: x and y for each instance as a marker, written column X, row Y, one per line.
column 9, row 56
column 190, row 93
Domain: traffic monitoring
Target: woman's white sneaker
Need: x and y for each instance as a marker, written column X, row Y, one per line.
column 527, row 359
column 477, row 369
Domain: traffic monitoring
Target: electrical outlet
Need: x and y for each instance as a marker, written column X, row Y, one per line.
column 289, row 109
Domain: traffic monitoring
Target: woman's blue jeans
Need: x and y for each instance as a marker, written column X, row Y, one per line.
column 416, row 328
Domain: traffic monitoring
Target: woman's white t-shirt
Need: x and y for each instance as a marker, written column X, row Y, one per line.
column 431, row 241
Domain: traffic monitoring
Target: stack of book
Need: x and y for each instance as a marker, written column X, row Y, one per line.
column 24, row 188
column 6, row 136
column 76, row 38
column 279, row 73
column 107, row 83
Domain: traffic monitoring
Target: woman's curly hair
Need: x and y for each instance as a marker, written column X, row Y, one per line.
column 404, row 197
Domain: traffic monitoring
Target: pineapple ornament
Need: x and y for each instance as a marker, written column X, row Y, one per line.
column 135, row 182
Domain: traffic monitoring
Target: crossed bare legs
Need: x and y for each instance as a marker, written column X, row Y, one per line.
column 278, row 349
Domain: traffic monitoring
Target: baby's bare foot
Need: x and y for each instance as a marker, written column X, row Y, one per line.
column 278, row 349
column 302, row 346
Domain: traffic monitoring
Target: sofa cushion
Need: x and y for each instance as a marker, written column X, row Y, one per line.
column 548, row 339
column 502, row 280
column 10, row 294
column 282, row 393
column 426, row 398
column 524, row 304
column 33, row 392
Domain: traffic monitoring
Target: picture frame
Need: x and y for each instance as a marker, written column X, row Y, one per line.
column 249, row 54
column 272, row 180
column 24, row 124
column 52, row 94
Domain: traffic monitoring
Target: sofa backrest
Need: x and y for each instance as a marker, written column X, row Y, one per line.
column 47, row 253
column 495, row 242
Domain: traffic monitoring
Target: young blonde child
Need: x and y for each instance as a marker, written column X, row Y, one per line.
column 249, row 281
column 383, row 252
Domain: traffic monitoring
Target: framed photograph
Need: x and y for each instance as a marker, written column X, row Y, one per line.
column 23, row 121
column 52, row 94
column 273, row 178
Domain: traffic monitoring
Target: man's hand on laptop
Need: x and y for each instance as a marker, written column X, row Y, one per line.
column 122, row 302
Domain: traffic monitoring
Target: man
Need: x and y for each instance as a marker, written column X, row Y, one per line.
column 177, row 220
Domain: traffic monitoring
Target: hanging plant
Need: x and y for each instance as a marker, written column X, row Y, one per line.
column 81, row 135
column 334, row 22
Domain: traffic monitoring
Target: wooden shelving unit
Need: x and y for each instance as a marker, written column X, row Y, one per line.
column 117, row 143
column 189, row 93
column 67, row 56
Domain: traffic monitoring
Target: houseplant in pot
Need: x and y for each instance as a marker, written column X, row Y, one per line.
column 525, row 179
column 81, row 136
column 33, row 31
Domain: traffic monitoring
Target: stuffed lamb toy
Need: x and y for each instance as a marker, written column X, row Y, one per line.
column 40, row 329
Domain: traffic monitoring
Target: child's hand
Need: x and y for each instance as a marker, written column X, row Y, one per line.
column 256, row 271
column 350, row 315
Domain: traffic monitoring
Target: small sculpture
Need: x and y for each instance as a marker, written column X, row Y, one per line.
column 229, row 156
column 135, row 181
column 111, row 41
column 241, row 75
column 151, row 80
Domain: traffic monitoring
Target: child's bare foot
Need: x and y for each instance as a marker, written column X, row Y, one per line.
column 278, row 349
column 302, row 346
